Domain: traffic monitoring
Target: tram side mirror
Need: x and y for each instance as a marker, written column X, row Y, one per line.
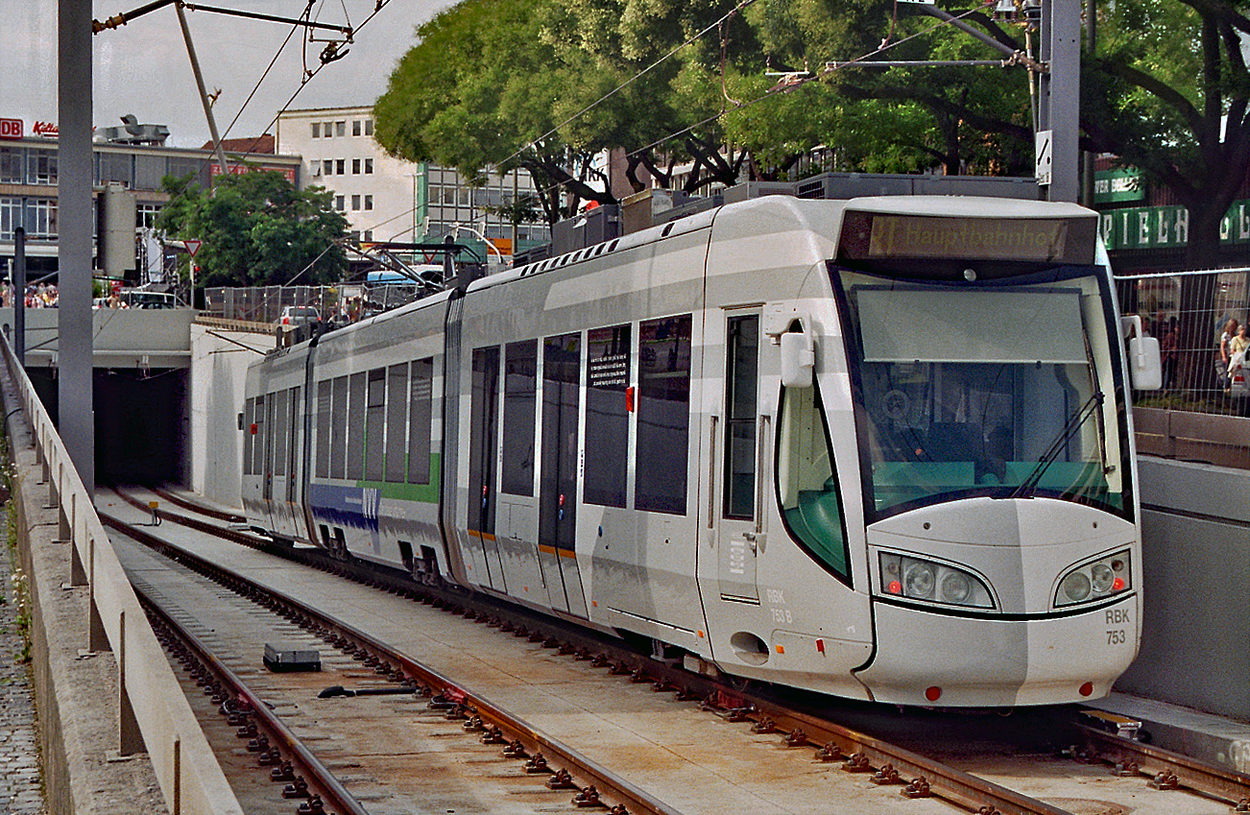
column 1145, row 363
column 798, row 358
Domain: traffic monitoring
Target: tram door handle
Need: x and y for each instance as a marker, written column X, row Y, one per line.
column 711, row 474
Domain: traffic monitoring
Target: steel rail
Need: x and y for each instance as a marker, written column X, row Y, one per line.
column 943, row 781
column 606, row 784
column 1168, row 770
column 338, row 795
column 178, row 500
column 959, row 788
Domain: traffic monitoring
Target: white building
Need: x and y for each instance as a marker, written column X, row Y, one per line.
column 388, row 199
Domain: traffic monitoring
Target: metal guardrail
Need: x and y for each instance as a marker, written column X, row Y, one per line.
column 155, row 714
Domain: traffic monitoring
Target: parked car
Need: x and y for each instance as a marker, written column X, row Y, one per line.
column 299, row 315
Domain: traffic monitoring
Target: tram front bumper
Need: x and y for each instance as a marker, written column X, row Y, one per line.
column 934, row 659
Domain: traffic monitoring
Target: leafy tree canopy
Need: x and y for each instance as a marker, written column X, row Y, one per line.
column 745, row 90
column 549, row 85
column 257, row 230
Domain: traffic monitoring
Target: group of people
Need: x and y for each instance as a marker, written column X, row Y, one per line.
column 1233, row 344
column 43, row 295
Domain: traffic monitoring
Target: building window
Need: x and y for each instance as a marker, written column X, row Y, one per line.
column 11, row 165
column 41, row 168
column 145, row 214
column 355, row 127
column 368, row 166
column 340, row 166
column 340, row 128
column 368, row 235
column 368, row 127
column 356, row 166
column 41, row 220
column 339, row 203
column 368, row 202
column 10, row 217
column 316, row 130
column 355, row 203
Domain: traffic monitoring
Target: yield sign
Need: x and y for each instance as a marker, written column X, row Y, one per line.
column 193, row 246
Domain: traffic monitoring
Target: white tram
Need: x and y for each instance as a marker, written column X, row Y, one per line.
column 878, row 448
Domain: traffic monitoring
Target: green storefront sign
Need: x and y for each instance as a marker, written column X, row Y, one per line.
column 1167, row 227
column 1117, row 186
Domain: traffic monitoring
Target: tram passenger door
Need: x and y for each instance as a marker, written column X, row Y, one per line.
column 483, row 452
column 557, row 498
column 735, row 510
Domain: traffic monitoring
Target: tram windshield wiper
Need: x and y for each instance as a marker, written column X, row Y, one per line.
column 1074, row 423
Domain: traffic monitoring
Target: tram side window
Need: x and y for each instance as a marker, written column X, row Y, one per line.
column 811, row 503
column 323, row 428
column 249, row 411
column 607, row 415
column 420, row 418
column 740, row 398
column 375, row 423
column 483, row 429
column 663, row 414
column 396, row 415
column 519, row 395
column 356, row 393
column 338, row 431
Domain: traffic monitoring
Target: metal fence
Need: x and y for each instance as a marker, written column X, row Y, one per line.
column 1192, row 315
column 340, row 304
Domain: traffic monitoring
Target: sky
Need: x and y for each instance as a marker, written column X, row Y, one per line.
column 143, row 68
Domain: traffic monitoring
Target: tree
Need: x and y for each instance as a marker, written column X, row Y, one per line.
column 257, row 230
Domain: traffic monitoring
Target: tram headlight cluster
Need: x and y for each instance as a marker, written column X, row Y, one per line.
column 932, row 582
column 1095, row 580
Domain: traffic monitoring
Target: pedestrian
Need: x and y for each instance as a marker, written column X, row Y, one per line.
column 1230, row 331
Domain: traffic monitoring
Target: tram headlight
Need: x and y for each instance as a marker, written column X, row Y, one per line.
column 1095, row 580
column 917, row 579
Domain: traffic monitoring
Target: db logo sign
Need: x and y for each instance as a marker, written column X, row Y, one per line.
column 10, row 128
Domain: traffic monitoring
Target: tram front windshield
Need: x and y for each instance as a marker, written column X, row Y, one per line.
column 1005, row 389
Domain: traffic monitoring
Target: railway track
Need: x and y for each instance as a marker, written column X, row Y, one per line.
column 817, row 743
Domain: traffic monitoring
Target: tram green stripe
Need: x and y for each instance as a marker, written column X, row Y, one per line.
column 421, row 493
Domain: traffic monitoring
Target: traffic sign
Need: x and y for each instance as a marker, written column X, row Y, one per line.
column 193, row 246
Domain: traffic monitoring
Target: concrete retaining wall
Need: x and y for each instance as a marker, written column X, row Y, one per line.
column 219, row 360
column 1196, row 548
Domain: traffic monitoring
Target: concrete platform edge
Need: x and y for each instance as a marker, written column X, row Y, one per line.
column 76, row 693
column 1216, row 740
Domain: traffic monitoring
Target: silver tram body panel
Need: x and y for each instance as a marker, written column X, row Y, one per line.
column 569, row 484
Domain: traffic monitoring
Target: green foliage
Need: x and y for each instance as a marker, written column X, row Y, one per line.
column 257, row 230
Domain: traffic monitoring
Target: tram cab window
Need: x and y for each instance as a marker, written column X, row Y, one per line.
column 991, row 390
column 811, row 504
